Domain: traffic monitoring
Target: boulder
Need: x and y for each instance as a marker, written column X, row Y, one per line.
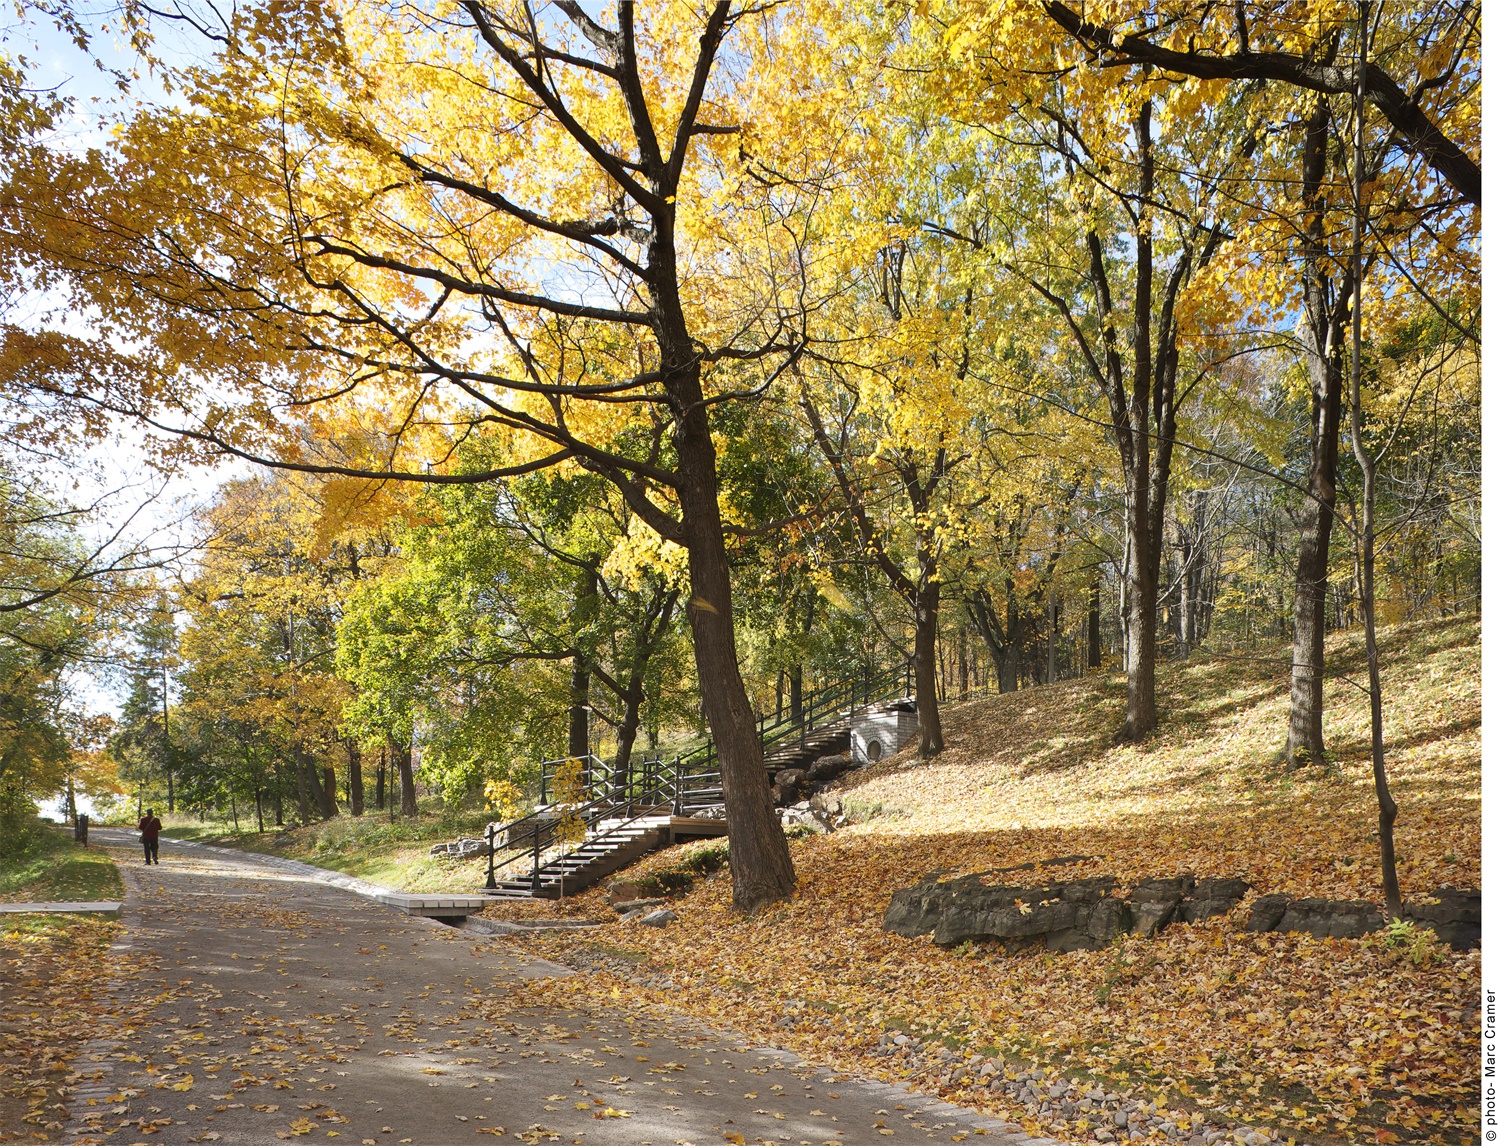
column 970, row 908
column 827, row 803
column 1455, row 916
column 827, row 767
column 790, row 778
column 1162, row 890
column 803, row 817
column 626, row 906
column 1212, row 897
column 623, row 891
column 466, row 848
column 1152, row 916
column 1266, row 912
column 1331, row 918
column 915, row 910
column 659, row 918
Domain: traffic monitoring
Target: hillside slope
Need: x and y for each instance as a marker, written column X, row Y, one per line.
column 1320, row 1040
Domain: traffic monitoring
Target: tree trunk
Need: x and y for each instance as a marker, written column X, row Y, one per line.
column 260, row 815
column 1010, row 668
column 1389, row 881
column 630, row 723
column 380, row 782
column 1140, row 645
column 982, row 613
column 304, row 811
column 1052, row 620
column 330, row 793
column 759, row 860
column 963, row 661
column 1095, row 648
column 402, row 753
column 1323, row 346
column 578, row 708
column 924, row 670
column 356, row 779
column 794, row 689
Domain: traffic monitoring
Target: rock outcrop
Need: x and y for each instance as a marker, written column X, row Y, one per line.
column 1067, row 915
column 1452, row 913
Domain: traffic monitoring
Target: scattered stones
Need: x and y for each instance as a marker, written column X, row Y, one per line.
column 659, row 918
column 828, row 803
column 465, row 848
column 791, row 777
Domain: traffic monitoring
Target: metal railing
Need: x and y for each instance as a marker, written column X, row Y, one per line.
column 691, row 783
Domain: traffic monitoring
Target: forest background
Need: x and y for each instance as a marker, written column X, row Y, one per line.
column 599, row 383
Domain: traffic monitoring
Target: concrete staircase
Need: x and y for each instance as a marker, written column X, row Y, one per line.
column 607, row 848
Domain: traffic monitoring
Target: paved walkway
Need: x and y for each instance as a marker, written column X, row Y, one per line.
column 283, row 1007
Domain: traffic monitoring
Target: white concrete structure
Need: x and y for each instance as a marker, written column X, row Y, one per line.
column 881, row 730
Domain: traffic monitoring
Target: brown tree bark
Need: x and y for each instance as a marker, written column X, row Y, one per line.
column 759, row 861
column 328, row 794
column 1325, row 302
column 1143, row 399
column 920, row 593
column 356, row 779
column 1095, row 645
column 652, row 629
column 402, row 755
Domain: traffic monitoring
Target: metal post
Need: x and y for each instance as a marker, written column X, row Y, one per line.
column 536, row 858
column 489, row 879
column 677, row 787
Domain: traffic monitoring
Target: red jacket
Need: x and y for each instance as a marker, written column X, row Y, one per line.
column 150, row 827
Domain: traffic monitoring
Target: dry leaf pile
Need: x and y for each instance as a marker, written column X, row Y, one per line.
column 1321, row 1039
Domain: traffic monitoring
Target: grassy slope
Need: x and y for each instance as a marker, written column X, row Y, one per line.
column 56, row 868
column 1336, row 1040
column 371, row 847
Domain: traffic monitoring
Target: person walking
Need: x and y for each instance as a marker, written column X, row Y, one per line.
column 150, row 829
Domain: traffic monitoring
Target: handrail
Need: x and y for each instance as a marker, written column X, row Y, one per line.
column 691, row 774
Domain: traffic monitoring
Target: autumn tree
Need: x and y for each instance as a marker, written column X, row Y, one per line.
column 1421, row 75
column 563, row 283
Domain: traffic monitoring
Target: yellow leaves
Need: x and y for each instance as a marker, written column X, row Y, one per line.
column 185, row 1084
column 611, row 1112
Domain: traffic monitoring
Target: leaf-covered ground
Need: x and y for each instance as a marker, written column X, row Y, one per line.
column 1324, row 1040
column 51, row 970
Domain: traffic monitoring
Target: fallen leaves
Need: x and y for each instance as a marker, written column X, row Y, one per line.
column 1354, row 1032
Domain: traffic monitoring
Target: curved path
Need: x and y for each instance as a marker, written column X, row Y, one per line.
column 276, row 1006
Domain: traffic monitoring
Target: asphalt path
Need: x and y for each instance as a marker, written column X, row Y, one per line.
column 272, row 1006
